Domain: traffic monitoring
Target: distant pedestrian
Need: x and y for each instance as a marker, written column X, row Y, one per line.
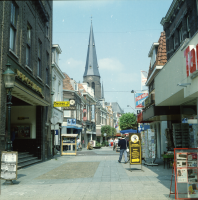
column 123, row 147
column 78, row 143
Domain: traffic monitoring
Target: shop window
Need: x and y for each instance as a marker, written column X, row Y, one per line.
column 28, row 46
column 188, row 27
column 39, row 59
column 47, row 69
column 67, row 113
column 13, row 26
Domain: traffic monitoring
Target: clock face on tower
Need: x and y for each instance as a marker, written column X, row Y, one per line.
column 90, row 78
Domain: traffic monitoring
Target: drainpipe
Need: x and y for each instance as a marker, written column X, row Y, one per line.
column 52, row 93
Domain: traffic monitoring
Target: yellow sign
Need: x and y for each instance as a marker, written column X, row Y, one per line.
column 61, row 104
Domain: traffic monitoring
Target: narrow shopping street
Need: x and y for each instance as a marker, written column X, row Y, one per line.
column 92, row 174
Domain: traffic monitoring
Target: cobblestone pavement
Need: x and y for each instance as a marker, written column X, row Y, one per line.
column 90, row 175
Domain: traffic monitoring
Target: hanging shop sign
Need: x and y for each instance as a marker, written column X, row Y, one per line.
column 191, row 55
column 61, row 103
column 9, row 162
column 84, row 114
column 139, row 100
column 135, row 149
column 28, row 82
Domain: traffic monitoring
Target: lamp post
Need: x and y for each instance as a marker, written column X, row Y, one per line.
column 9, row 80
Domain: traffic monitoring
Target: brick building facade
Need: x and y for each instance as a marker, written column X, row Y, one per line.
column 26, row 42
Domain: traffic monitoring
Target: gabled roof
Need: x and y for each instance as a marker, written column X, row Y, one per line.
column 161, row 57
column 66, row 82
column 91, row 67
column 115, row 107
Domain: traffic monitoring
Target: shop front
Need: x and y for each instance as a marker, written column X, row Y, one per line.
column 176, row 85
column 29, row 115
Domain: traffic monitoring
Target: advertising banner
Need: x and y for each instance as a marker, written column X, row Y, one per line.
column 135, row 149
column 139, row 100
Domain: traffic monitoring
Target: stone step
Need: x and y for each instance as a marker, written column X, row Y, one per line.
column 24, row 155
column 22, row 160
column 27, row 163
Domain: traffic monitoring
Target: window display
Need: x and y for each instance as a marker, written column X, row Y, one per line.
column 22, row 131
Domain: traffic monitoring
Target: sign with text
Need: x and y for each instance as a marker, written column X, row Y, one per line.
column 135, row 149
column 9, row 162
column 61, row 103
column 139, row 100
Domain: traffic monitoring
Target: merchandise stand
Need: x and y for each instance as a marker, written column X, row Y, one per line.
column 186, row 173
column 150, row 143
column 71, row 145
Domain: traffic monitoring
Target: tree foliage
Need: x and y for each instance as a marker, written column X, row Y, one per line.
column 113, row 131
column 106, row 129
column 128, row 121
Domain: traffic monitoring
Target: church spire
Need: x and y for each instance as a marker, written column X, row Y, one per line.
column 91, row 67
column 102, row 95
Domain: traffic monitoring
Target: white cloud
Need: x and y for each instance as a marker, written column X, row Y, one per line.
column 71, row 63
column 63, row 20
column 112, row 64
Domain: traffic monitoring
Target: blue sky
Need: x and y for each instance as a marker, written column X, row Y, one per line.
column 123, row 31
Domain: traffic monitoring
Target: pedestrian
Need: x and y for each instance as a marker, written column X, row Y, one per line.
column 12, row 137
column 123, row 149
column 115, row 143
column 111, row 142
column 78, row 143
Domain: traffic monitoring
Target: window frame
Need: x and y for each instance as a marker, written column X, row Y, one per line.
column 39, row 61
column 187, row 23
column 47, row 70
column 69, row 111
column 180, row 35
column 13, row 25
column 28, row 45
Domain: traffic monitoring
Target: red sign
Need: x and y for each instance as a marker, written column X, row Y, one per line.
column 84, row 114
column 191, row 55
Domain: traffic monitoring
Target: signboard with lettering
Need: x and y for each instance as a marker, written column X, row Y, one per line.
column 9, row 162
column 135, row 149
column 61, row 103
column 139, row 100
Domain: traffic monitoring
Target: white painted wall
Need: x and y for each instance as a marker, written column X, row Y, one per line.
column 174, row 71
column 25, row 111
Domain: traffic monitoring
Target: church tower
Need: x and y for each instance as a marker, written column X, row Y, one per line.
column 91, row 74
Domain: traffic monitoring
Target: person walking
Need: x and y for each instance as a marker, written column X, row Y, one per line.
column 78, row 143
column 123, row 147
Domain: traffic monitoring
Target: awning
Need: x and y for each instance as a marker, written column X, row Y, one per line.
column 75, row 127
column 129, row 131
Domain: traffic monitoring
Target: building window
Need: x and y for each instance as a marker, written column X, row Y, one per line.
column 67, row 113
column 74, row 114
column 13, row 26
column 47, row 29
column 188, row 27
column 47, row 69
column 180, row 35
column 28, row 47
column 39, row 59
column 93, row 87
column 56, row 57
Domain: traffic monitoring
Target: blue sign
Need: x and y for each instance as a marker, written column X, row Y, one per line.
column 71, row 122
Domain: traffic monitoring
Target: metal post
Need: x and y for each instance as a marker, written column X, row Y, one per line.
column 9, row 142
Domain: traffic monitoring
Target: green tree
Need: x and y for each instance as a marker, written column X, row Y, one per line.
column 113, row 131
column 128, row 121
column 106, row 129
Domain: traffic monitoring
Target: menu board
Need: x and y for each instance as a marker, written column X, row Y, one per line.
column 135, row 148
column 9, row 162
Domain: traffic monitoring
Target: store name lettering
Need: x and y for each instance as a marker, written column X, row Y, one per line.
column 29, row 82
column 191, row 55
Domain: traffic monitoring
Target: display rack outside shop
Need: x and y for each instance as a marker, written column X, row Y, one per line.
column 150, row 147
column 186, row 173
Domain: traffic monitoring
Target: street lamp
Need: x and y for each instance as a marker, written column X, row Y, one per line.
column 9, row 80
